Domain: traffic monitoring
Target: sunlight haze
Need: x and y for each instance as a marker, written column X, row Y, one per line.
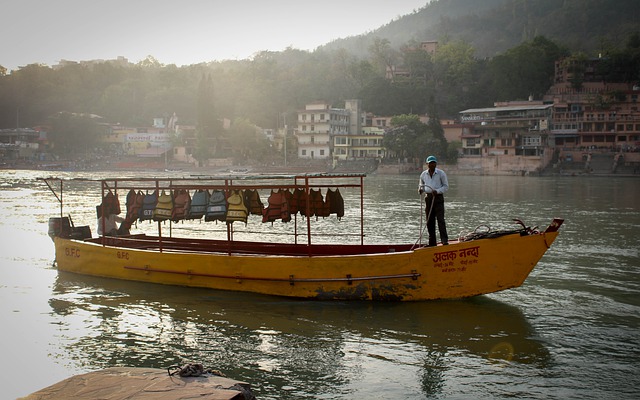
column 181, row 33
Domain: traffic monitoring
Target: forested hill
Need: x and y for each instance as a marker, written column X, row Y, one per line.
column 494, row 26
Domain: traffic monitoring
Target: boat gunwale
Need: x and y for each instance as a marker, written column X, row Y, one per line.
column 215, row 246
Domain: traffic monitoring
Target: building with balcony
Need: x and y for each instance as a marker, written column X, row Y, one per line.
column 316, row 125
column 510, row 138
column 590, row 111
column 364, row 145
column 596, row 121
column 20, row 143
column 511, row 128
column 339, row 134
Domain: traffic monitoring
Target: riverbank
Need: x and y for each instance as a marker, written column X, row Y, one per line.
column 464, row 167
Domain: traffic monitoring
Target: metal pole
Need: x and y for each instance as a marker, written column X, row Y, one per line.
column 284, row 116
column 362, row 210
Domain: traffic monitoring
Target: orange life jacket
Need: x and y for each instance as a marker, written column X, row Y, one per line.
column 181, row 205
column 336, row 202
column 134, row 203
column 278, row 208
column 318, row 206
column 252, row 201
column 110, row 204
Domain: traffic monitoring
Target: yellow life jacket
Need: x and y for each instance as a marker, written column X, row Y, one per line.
column 164, row 207
column 237, row 210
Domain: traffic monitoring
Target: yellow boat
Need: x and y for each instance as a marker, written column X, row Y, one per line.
column 480, row 263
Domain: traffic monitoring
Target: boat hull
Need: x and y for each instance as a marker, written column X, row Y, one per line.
column 461, row 269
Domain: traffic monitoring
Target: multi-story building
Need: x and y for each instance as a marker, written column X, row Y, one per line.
column 317, row 124
column 340, row 134
column 364, row 145
column 584, row 116
column 590, row 112
column 510, row 138
column 510, row 128
column 21, row 143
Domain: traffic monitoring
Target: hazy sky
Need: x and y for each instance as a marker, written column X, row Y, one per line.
column 180, row 32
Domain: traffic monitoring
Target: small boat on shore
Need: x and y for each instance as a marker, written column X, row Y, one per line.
column 479, row 263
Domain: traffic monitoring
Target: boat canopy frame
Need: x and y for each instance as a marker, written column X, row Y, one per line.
column 227, row 183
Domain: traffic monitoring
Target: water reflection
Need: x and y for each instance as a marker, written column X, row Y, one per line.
column 304, row 347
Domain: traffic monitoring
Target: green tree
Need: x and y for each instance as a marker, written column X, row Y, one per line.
column 409, row 137
column 575, row 65
column 245, row 140
column 454, row 66
column 383, row 56
column 208, row 130
column 73, row 134
column 524, row 70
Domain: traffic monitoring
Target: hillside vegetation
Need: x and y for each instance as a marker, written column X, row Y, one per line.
column 493, row 26
column 489, row 50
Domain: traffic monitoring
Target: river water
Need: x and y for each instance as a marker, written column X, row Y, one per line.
column 572, row 331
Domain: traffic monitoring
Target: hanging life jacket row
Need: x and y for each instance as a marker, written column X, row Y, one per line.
column 233, row 206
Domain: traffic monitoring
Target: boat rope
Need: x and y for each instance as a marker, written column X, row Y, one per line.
column 192, row 369
column 422, row 228
column 291, row 279
column 485, row 232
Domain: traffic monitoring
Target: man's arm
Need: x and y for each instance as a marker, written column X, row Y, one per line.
column 445, row 183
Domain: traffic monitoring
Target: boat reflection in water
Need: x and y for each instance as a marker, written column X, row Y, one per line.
column 274, row 342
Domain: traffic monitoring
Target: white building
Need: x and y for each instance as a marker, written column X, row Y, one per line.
column 317, row 124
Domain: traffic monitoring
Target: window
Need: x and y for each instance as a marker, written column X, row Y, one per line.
column 303, row 152
column 321, row 152
column 531, row 141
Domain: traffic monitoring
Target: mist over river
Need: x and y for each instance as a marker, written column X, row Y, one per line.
column 572, row 331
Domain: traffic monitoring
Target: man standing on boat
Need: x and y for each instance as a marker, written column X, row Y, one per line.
column 433, row 182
